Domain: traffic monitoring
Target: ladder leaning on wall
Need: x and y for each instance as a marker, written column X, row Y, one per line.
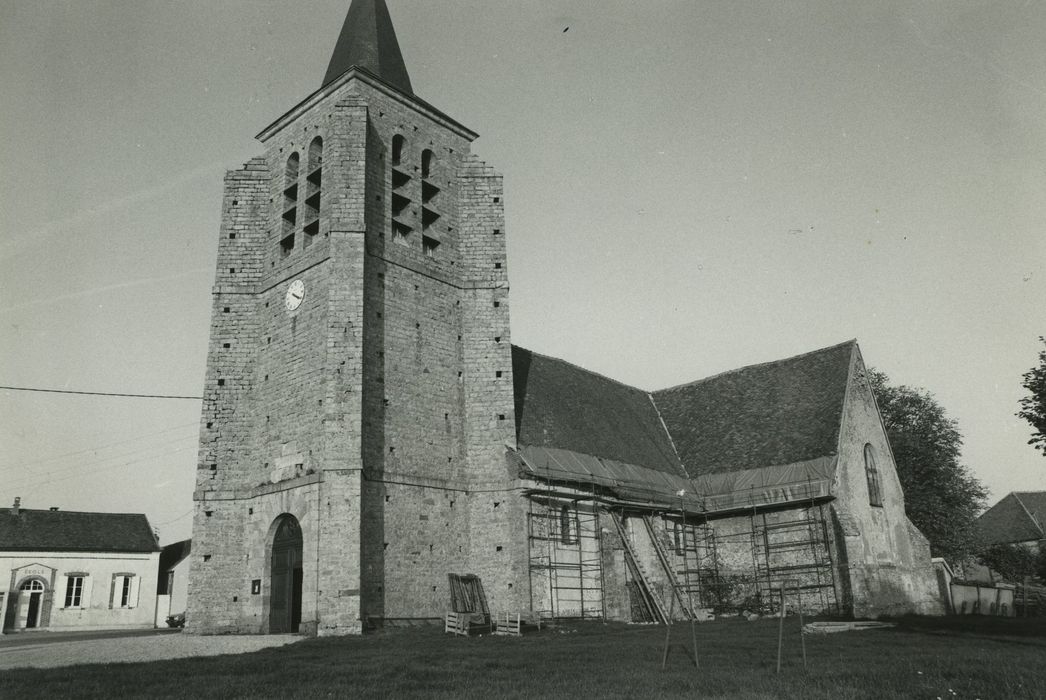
column 639, row 574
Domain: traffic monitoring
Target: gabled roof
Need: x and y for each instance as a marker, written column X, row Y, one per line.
column 560, row 405
column 776, row 413
column 1020, row 516
column 71, row 531
column 368, row 41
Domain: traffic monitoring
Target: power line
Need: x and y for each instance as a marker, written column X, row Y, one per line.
column 101, row 393
column 32, row 488
column 110, row 444
column 29, row 475
column 168, row 522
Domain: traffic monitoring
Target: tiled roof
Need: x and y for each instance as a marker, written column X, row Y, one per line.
column 764, row 415
column 71, row 531
column 563, row 406
column 1018, row 517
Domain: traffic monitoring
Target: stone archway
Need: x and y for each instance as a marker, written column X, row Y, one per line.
column 285, row 576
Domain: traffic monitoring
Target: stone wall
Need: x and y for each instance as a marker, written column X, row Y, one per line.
column 885, row 563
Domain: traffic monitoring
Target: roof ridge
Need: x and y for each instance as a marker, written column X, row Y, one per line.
column 77, row 512
column 671, row 440
column 583, row 369
column 1031, row 516
column 852, row 341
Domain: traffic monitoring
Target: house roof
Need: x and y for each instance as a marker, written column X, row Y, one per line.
column 775, row 413
column 560, row 405
column 72, row 531
column 1018, row 517
column 368, row 41
column 173, row 553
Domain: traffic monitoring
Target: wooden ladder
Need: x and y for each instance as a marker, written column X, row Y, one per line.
column 657, row 606
column 666, row 564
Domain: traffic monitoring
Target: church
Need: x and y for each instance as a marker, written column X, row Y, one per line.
column 374, row 449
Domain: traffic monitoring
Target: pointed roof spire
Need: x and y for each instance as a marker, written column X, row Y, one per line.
column 368, row 41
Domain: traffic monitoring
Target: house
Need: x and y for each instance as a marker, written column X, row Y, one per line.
column 1018, row 518
column 374, row 449
column 172, row 584
column 66, row 570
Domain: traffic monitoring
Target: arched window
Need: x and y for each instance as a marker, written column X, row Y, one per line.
column 290, row 203
column 426, row 163
column 315, row 153
column 566, row 526
column 398, row 141
column 313, row 187
column 875, row 497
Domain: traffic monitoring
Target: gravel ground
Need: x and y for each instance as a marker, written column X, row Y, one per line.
column 127, row 649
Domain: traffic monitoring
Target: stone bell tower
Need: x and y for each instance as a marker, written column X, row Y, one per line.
column 358, row 396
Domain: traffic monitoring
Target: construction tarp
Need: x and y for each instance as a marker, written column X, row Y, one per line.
column 628, row 481
column 782, row 483
column 788, row 483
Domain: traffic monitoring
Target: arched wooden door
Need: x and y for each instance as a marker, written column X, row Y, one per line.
column 285, row 577
column 30, row 602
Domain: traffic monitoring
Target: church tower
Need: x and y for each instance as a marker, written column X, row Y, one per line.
column 358, row 397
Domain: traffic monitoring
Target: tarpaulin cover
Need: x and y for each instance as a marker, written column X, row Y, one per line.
column 714, row 492
column 783, row 483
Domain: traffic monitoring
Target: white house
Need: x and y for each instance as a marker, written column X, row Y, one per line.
column 64, row 570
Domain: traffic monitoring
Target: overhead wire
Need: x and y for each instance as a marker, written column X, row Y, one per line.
column 36, row 484
column 102, row 393
column 33, row 476
column 109, row 444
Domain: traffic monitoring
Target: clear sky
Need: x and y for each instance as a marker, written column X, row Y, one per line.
column 691, row 187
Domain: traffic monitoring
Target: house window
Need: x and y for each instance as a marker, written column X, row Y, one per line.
column 125, row 591
column 875, row 497
column 74, row 591
column 566, row 526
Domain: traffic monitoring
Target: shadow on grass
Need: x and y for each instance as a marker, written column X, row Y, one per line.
column 919, row 658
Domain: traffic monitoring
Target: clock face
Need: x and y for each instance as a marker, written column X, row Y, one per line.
column 295, row 295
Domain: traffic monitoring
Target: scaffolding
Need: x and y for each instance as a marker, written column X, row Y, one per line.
column 798, row 552
column 566, row 560
column 790, row 547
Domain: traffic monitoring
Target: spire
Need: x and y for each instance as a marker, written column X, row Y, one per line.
column 368, row 41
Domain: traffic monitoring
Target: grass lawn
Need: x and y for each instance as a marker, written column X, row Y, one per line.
column 920, row 658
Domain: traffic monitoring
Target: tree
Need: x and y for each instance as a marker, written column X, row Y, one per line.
column 1013, row 562
column 941, row 497
column 1033, row 406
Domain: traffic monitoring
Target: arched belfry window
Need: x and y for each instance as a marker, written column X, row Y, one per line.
column 400, row 210
column 290, row 203
column 426, row 163
column 566, row 526
column 871, row 472
column 430, row 239
column 313, row 190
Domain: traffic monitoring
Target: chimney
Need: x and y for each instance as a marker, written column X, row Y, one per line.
column 54, row 508
column 17, row 506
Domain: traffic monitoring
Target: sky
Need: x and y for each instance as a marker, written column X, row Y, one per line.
column 690, row 187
